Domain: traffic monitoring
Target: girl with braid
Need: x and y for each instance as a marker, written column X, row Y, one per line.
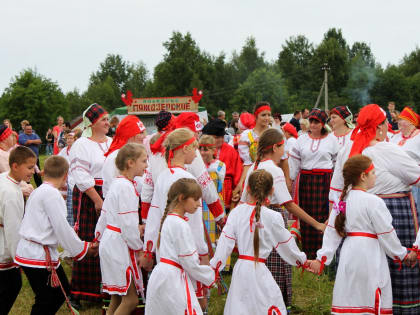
column 269, row 153
column 180, row 150
column 118, row 232
column 171, row 289
column 256, row 230
column 363, row 281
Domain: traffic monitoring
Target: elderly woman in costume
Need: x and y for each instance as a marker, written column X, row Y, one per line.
column 86, row 162
column 396, row 172
column 409, row 139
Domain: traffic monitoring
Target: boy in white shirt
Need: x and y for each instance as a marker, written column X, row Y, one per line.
column 22, row 161
column 43, row 228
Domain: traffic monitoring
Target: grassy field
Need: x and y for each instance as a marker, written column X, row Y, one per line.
column 311, row 294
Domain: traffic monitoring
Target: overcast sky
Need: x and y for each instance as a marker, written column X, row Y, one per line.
column 66, row 40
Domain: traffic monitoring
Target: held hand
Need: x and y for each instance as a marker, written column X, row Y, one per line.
column 221, row 223
column 98, row 206
column 411, row 259
column 315, row 266
column 142, row 228
column 321, row 227
column 204, row 260
column 236, row 192
column 146, row 263
column 93, row 249
column 308, row 266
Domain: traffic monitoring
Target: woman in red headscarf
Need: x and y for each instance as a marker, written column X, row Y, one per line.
column 312, row 161
column 396, row 171
column 129, row 130
column 86, row 162
column 409, row 139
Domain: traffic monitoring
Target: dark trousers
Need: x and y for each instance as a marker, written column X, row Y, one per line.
column 37, row 177
column 10, row 284
column 48, row 300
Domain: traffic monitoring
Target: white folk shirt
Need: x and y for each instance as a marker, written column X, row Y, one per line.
column 118, row 232
column 344, row 139
column 86, row 161
column 11, row 214
column 410, row 144
column 363, row 267
column 110, row 171
column 197, row 168
column 175, row 284
column 45, row 223
column 157, row 208
column 290, row 143
column 253, row 289
column 395, row 170
column 281, row 194
column 309, row 153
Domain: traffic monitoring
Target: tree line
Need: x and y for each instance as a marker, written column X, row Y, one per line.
column 233, row 83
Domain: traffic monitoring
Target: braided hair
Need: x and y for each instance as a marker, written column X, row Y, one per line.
column 261, row 184
column 268, row 139
column 352, row 170
column 176, row 138
column 181, row 190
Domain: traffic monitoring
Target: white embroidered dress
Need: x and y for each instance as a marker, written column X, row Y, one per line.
column 363, row 267
column 253, row 289
column 170, row 289
column 118, row 232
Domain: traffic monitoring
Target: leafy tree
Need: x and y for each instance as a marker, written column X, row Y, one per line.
column 262, row 85
column 35, row 98
column 249, row 60
column 411, row 63
column 76, row 103
column 106, row 93
column 363, row 50
column 294, row 62
column 391, row 85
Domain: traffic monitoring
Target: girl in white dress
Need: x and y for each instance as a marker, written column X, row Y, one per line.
column 363, row 281
column 118, row 232
column 256, row 230
column 170, row 289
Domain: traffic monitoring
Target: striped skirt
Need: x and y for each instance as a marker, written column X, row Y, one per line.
column 281, row 270
column 405, row 282
column 86, row 274
column 313, row 198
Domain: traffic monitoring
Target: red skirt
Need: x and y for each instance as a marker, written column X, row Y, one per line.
column 313, row 198
column 86, row 274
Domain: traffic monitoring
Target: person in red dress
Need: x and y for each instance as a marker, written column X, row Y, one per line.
column 56, row 132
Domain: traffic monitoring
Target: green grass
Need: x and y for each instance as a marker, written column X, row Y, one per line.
column 311, row 294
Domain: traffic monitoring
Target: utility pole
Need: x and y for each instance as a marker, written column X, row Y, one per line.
column 326, row 68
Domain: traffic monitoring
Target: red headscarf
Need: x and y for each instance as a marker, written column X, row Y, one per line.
column 411, row 116
column 246, row 120
column 288, row 127
column 370, row 117
column 189, row 120
column 127, row 128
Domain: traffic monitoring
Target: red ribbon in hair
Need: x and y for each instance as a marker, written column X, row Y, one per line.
column 261, row 109
column 370, row 117
column 171, row 152
column 272, row 145
column 371, row 167
column 5, row 134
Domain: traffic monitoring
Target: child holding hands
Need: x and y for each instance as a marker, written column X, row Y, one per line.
column 43, row 228
column 363, row 282
column 118, row 232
